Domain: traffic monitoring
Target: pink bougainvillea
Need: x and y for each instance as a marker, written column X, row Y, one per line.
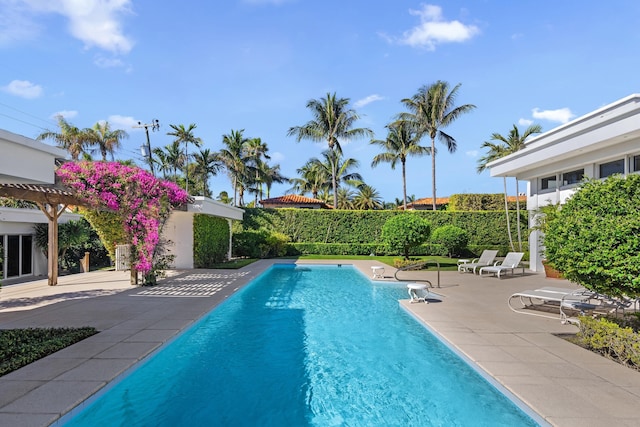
column 142, row 199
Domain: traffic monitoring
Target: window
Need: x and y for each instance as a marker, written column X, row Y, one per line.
column 548, row 183
column 634, row 164
column 573, row 177
column 610, row 168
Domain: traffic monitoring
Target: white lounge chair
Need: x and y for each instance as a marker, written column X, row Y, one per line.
column 486, row 258
column 510, row 263
column 552, row 302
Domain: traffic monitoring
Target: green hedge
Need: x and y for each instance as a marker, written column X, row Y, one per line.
column 361, row 229
column 481, row 202
column 210, row 240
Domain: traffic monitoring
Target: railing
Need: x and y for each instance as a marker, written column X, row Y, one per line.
column 420, row 264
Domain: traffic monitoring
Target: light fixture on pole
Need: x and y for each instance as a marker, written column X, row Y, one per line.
column 146, row 150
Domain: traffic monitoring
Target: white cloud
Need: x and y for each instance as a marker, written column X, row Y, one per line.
column 67, row 114
column 23, row 89
column 525, row 122
column 104, row 62
column 561, row 115
column 126, row 123
column 367, row 100
column 16, row 24
column 97, row 23
column 472, row 153
column 434, row 30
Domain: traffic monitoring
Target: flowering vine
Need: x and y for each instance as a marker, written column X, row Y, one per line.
column 142, row 200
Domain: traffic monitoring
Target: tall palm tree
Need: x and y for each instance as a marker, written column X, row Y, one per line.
column 184, row 135
column 402, row 141
column 70, row 137
column 254, row 152
column 175, row 158
column 206, row 164
column 272, row 175
column 433, row 108
column 106, row 139
column 508, row 145
column 333, row 120
column 313, row 178
column 332, row 161
column 367, row 198
column 232, row 157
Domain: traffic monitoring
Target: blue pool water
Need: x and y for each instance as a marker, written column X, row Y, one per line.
column 305, row 346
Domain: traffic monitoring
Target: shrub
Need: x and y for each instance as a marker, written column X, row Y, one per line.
column 259, row 244
column 403, row 232
column 210, row 240
column 453, row 238
column 594, row 239
column 607, row 338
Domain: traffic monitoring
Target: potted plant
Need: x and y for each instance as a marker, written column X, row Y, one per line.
column 544, row 215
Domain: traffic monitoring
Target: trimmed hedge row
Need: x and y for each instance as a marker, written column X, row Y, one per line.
column 210, row 240
column 346, row 232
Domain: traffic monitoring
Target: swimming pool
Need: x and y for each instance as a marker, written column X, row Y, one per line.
column 305, row 346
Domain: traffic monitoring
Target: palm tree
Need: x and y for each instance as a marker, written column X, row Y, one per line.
column 107, row 140
column 505, row 146
column 345, row 198
column 161, row 159
column 175, row 158
column 206, row 164
column 432, row 109
column 70, row 137
column 402, row 142
column 313, row 178
column 367, row 198
column 232, row 158
column 332, row 161
column 254, row 151
column 272, row 175
column 185, row 135
column 332, row 120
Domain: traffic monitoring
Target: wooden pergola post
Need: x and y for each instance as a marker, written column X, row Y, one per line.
column 53, row 213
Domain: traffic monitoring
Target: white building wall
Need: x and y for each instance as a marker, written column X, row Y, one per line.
column 179, row 231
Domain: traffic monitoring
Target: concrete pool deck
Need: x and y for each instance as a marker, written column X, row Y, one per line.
column 565, row 384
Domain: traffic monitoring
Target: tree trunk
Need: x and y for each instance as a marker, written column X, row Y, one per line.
column 433, row 170
column 518, row 216
column 404, row 185
column 506, row 210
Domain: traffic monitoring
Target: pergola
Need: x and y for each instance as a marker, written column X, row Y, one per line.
column 52, row 200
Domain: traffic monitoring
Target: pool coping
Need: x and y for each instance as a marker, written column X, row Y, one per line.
column 563, row 383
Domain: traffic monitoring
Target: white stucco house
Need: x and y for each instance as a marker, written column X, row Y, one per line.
column 599, row 144
column 28, row 167
column 27, row 163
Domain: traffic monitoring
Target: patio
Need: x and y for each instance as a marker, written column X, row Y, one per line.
column 565, row 384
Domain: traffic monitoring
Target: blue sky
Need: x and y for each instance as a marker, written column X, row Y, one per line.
column 254, row 64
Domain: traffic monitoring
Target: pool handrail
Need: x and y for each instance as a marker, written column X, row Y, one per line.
column 420, row 264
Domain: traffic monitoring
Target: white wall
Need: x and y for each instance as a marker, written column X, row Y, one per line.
column 179, row 230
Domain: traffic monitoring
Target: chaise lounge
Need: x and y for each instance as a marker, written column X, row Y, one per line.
column 510, row 263
column 486, row 258
column 551, row 301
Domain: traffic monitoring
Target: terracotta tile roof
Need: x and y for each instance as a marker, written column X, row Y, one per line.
column 294, row 200
column 429, row 200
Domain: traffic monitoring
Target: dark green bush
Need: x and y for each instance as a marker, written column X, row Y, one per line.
column 594, row 240
column 210, row 240
column 454, row 239
column 19, row 347
column 259, row 244
column 403, row 232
